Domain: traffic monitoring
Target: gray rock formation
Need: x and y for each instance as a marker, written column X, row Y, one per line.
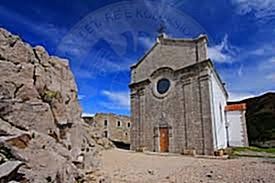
column 40, row 117
column 9, row 169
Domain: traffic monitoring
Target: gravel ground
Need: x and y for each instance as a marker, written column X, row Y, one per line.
column 132, row 167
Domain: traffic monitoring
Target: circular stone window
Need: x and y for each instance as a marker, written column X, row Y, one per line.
column 163, row 86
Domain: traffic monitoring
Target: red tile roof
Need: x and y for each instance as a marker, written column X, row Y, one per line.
column 236, row 107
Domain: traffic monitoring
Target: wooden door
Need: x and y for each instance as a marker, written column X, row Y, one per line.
column 164, row 139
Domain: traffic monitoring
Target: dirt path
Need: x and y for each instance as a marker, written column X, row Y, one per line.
column 125, row 166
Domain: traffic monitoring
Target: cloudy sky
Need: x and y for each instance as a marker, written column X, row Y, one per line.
column 102, row 39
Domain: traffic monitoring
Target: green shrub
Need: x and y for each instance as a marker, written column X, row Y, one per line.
column 48, row 96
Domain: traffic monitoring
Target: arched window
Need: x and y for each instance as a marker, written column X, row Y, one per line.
column 118, row 123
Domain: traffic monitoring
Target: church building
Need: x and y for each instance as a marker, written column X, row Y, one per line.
column 178, row 100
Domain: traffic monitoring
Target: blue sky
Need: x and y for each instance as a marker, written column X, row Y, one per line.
column 103, row 38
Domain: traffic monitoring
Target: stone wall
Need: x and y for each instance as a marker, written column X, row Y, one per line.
column 166, row 52
column 38, row 100
column 186, row 109
column 107, row 123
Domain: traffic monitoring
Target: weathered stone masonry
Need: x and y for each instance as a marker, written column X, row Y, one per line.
column 185, row 109
column 107, row 125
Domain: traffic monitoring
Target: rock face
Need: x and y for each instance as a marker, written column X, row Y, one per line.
column 40, row 117
column 9, row 169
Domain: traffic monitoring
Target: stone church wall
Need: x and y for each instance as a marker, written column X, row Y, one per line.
column 185, row 111
column 194, row 97
column 171, row 54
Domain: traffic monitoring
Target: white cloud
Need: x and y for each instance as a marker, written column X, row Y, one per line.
column 177, row 3
column 215, row 54
column 252, row 70
column 48, row 30
column 233, row 96
column 240, row 71
column 271, row 77
column 81, row 97
column 117, row 99
column 263, row 50
column 107, row 66
column 258, row 51
column 84, row 114
column 146, row 42
column 91, row 69
column 223, row 52
column 239, row 96
column 262, row 9
column 271, row 60
column 104, row 62
column 267, row 65
column 84, row 73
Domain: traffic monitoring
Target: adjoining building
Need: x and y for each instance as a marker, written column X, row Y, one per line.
column 112, row 126
column 178, row 99
column 236, row 125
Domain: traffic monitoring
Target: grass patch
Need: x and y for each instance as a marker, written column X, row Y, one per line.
column 255, row 149
column 252, row 152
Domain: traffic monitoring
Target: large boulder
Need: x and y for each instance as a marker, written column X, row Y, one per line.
column 40, row 117
column 8, row 170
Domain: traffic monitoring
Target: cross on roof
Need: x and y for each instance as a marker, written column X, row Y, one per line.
column 161, row 28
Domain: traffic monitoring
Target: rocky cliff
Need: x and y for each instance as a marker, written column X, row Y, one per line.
column 42, row 134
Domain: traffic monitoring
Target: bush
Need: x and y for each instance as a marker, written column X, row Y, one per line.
column 48, row 96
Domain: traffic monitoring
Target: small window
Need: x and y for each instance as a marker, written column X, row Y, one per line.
column 129, row 125
column 106, row 134
column 126, row 134
column 105, row 122
column 118, row 123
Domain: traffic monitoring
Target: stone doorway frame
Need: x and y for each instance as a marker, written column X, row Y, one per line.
column 156, row 136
